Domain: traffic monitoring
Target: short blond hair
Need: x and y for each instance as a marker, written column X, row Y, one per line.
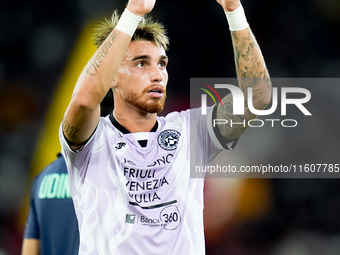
column 147, row 30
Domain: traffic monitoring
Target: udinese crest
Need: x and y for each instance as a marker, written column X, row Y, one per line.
column 168, row 139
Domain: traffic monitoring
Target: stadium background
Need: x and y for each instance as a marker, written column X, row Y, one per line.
column 45, row 44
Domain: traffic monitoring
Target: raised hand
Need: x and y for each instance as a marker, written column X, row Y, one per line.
column 140, row 7
column 229, row 5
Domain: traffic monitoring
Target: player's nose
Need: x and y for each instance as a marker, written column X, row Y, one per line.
column 156, row 74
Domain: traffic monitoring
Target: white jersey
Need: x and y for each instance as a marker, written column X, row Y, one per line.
column 131, row 199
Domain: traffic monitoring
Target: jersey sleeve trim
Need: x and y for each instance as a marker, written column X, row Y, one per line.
column 216, row 135
column 68, row 143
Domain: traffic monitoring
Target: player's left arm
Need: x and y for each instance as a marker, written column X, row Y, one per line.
column 251, row 72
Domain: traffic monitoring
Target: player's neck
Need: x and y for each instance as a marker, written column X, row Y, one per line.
column 135, row 121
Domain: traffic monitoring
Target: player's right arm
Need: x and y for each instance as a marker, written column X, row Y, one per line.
column 82, row 115
column 251, row 72
column 30, row 246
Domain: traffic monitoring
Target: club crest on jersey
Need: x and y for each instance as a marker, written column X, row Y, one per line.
column 168, row 139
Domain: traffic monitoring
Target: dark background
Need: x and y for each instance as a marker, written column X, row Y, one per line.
column 297, row 38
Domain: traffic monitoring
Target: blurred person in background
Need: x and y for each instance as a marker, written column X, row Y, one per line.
column 51, row 226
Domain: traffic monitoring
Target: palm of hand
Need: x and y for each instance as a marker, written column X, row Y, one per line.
column 229, row 5
column 141, row 7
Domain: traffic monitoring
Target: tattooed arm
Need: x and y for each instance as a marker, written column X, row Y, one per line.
column 251, row 72
column 83, row 112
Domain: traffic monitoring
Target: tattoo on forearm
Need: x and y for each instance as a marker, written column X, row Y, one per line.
column 68, row 129
column 251, row 72
column 250, row 67
column 97, row 59
column 248, row 57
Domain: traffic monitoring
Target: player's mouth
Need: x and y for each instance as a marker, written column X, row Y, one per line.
column 156, row 92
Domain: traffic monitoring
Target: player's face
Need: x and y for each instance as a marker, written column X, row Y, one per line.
column 142, row 78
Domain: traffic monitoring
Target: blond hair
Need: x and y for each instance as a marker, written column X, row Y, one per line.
column 147, row 30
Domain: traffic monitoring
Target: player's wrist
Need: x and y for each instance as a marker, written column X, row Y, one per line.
column 237, row 19
column 128, row 22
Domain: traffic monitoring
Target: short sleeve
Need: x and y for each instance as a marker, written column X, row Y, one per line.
column 215, row 133
column 32, row 226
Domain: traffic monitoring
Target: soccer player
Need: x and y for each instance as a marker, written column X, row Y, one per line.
column 51, row 226
column 130, row 172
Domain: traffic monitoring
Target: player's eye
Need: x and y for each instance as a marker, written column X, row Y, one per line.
column 162, row 64
column 140, row 64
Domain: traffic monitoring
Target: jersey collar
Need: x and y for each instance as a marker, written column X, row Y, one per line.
column 123, row 129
